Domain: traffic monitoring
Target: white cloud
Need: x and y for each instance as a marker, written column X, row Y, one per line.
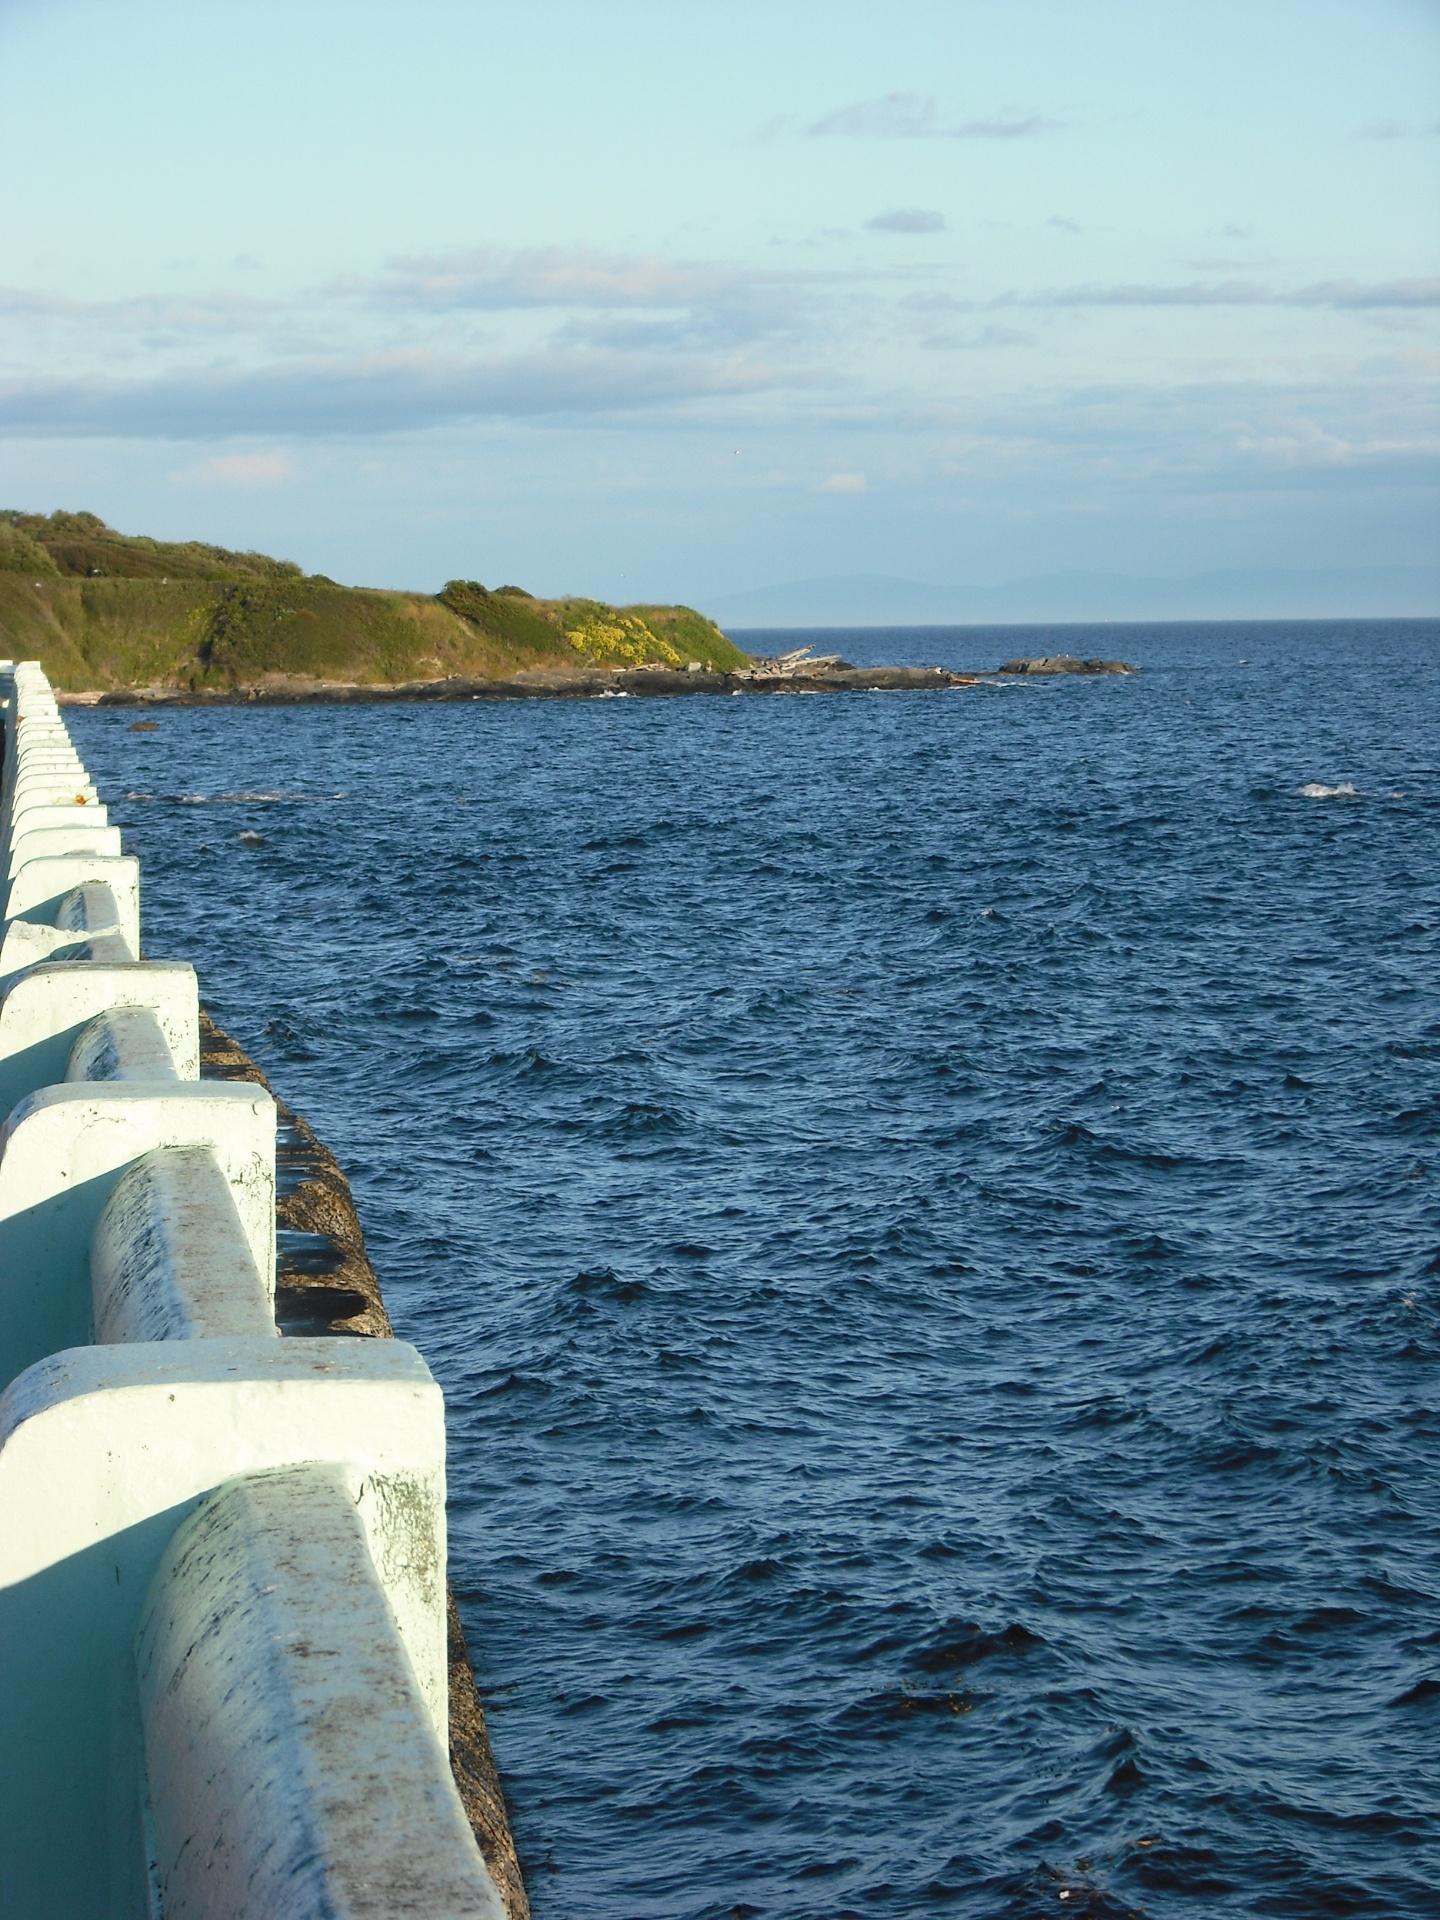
column 493, row 277
column 981, row 337
column 899, row 116
column 242, row 470
column 376, row 393
column 908, row 220
column 913, row 116
column 1343, row 294
column 842, row 483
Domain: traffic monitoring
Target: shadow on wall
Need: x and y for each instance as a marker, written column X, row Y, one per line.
column 73, row 1742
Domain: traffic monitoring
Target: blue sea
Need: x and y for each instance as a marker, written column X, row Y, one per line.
column 926, row 1209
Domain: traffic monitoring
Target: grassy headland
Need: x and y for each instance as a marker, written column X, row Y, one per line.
column 107, row 610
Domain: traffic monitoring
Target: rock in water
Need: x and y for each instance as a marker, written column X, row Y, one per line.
column 1064, row 663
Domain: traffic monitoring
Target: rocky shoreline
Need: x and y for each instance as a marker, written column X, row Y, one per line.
column 539, row 684
column 792, row 674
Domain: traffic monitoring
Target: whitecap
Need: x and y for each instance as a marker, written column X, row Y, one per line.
column 1316, row 790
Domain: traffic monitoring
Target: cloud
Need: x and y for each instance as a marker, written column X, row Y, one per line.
column 914, row 116
column 1340, row 294
column 1226, row 266
column 842, row 483
column 899, row 116
column 494, row 278
column 220, row 312
column 907, row 220
column 1063, row 225
column 242, row 470
column 1395, row 130
column 383, row 393
column 982, row 337
column 1303, row 443
column 619, row 302
column 1205, row 438
column 669, row 302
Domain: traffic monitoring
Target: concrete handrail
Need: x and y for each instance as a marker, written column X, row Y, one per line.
column 84, row 918
column 49, row 843
column 123, row 1043
column 45, row 812
column 104, row 1451
column 45, row 1010
column 42, row 889
column 267, row 1655
column 185, row 1496
column 170, row 1260
column 63, row 1151
column 51, row 783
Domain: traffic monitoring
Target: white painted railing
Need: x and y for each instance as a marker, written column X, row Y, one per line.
column 223, row 1680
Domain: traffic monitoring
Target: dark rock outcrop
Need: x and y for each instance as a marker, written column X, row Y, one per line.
column 1064, row 663
column 571, row 683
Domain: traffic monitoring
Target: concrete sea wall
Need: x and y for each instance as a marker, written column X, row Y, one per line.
column 231, row 1679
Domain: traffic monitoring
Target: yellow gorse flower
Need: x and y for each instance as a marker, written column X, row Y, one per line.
column 622, row 639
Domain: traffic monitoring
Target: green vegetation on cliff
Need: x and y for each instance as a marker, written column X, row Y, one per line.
column 101, row 609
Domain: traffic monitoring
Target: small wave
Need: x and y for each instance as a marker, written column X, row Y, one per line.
column 605, row 1283
column 1419, row 1695
column 878, row 1711
column 235, row 799
column 1317, row 790
column 961, row 1643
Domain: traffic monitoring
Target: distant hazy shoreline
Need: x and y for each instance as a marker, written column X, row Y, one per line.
column 1079, row 598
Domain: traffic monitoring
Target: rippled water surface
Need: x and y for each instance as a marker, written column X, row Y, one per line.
column 925, row 1210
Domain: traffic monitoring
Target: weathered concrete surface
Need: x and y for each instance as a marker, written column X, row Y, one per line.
column 37, row 814
column 104, row 1450
column 43, row 889
column 45, row 1011
column 321, row 1202
column 62, row 1154
column 169, row 1259
column 123, row 1043
column 293, row 1766
column 51, row 843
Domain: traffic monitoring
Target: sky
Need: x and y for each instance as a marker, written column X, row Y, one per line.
column 655, row 300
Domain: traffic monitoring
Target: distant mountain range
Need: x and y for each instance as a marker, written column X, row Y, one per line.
column 866, row 600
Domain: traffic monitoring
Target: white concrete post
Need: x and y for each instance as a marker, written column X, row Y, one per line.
column 49, row 843
column 62, row 1153
column 36, row 814
column 275, row 1693
column 286, row 1730
column 169, row 1259
column 103, row 1453
column 41, row 887
column 123, row 1043
column 44, row 1011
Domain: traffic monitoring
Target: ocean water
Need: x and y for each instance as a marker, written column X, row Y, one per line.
column 926, row 1210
